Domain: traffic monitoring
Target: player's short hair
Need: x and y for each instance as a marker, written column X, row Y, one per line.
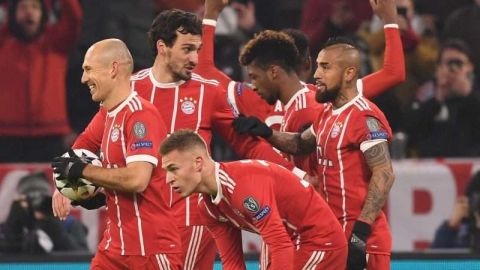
column 456, row 44
column 166, row 25
column 301, row 42
column 340, row 40
column 181, row 140
column 270, row 47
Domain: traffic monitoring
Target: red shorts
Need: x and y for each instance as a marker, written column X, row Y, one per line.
column 198, row 248
column 378, row 262
column 312, row 260
column 105, row 260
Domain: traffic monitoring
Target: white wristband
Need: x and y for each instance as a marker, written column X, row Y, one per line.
column 209, row 22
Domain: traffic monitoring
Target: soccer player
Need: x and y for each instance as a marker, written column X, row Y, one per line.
column 271, row 61
column 295, row 222
column 353, row 163
column 186, row 100
column 140, row 229
column 246, row 102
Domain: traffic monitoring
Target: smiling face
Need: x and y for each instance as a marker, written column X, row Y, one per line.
column 183, row 171
column 328, row 76
column 96, row 75
column 182, row 57
column 262, row 83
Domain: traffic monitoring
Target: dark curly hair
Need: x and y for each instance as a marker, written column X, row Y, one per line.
column 271, row 47
column 15, row 28
column 165, row 26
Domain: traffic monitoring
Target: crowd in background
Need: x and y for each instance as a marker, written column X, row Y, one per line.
column 436, row 105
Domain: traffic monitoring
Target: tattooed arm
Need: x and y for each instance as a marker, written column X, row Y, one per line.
column 293, row 143
column 378, row 159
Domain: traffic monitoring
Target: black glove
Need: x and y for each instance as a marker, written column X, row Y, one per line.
column 69, row 167
column 95, row 202
column 252, row 126
column 357, row 246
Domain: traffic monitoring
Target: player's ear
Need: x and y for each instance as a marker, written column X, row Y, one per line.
column 272, row 71
column 350, row 74
column 161, row 47
column 198, row 163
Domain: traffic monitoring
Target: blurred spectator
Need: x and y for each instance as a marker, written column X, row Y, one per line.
column 420, row 46
column 322, row 19
column 444, row 121
column 31, row 227
column 278, row 14
column 462, row 229
column 463, row 24
column 439, row 9
column 33, row 119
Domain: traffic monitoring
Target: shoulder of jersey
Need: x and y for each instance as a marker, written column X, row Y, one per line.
column 142, row 74
column 200, row 79
column 365, row 105
column 138, row 103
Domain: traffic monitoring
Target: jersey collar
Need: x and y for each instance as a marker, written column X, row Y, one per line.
column 122, row 104
column 163, row 85
column 219, row 196
column 346, row 105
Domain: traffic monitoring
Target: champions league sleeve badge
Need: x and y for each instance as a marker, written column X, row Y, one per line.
column 139, row 130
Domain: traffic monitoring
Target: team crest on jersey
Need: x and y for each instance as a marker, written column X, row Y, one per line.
column 115, row 133
column 251, row 204
column 139, row 130
column 337, row 128
column 188, row 105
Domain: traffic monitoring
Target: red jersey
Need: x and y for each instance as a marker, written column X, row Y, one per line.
column 245, row 101
column 198, row 104
column 138, row 223
column 342, row 136
column 300, row 112
column 270, row 201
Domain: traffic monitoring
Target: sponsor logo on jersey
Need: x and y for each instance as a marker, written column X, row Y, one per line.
column 139, row 130
column 141, row 144
column 262, row 213
column 251, row 204
column 115, row 134
column 188, row 105
column 337, row 128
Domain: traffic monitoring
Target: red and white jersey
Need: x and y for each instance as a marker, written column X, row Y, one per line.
column 138, row 223
column 342, row 135
column 200, row 105
column 300, row 112
column 271, row 201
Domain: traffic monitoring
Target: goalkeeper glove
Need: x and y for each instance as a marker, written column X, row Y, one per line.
column 252, row 126
column 69, row 167
column 95, row 202
column 357, row 246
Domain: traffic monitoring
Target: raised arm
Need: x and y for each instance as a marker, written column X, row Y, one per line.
column 393, row 70
column 66, row 31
